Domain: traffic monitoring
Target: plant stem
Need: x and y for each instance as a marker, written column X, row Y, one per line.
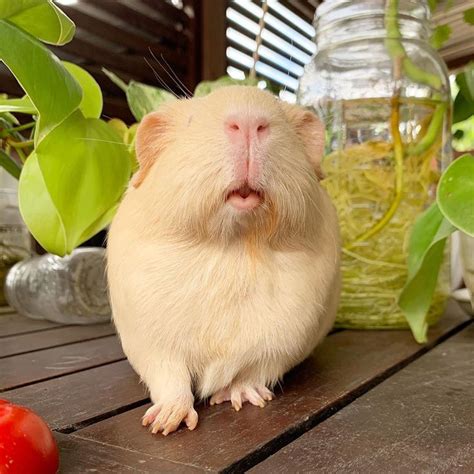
column 21, row 154
column 26, row 126
column 17, row 145
column 431, row 134
column 398, row 157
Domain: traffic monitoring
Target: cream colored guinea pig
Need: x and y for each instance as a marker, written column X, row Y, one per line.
column 223, row 258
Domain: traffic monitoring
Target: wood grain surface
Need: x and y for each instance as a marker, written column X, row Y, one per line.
column 13, row 323
column 420, row 420
column 72, row 400
column 79, row 456
column 56, row 336
column 32, row 367
column 346, row 365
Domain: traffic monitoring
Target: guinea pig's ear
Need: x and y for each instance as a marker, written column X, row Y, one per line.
column 311, row 132
column 149, row 142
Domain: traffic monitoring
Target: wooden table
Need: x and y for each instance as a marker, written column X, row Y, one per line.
column 366, row 401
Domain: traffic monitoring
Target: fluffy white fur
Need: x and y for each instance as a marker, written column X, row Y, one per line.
column 207, row 299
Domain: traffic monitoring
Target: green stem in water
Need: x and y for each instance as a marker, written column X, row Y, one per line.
column 431, row 134
column 398, row 157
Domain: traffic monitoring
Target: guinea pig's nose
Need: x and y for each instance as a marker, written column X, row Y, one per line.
column 246, row 128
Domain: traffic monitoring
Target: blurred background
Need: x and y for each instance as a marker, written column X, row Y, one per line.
column 205, row 39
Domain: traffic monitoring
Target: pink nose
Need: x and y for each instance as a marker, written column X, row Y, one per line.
column 245, row 129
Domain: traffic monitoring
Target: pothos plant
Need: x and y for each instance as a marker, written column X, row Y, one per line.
column 74, row 166
column 453, row 209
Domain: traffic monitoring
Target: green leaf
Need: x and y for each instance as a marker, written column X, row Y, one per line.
column 91, row 104
column 41, row 18
column 464, row 102
column 206, row 87
column 52, row 90
column 143, row 99
column 455, row 194
column 440, row 35
column 9, row 165
column 425, row 255
column 77, row 176
column 115, row 79
column 38, row 210
column 469, row 16
column 23, row 106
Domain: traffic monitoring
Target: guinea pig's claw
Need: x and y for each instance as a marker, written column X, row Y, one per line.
column 257, row 395
column 168, row 418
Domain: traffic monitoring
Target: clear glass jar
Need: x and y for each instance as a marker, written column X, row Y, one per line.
column 67, row 290
column 383, row 94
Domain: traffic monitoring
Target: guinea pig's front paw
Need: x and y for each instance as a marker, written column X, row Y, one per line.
column 238, row 394
column 166, row 417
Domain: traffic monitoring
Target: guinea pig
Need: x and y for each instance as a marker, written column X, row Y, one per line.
column 223, row 257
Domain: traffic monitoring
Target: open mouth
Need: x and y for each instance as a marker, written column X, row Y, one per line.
column 244, row 198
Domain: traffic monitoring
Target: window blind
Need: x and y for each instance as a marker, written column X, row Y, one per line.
column 286, row 43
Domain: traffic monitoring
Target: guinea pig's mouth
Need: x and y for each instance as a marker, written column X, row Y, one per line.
column 244, row 198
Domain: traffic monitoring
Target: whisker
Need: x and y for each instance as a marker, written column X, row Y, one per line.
column 175, row 75
column 169, row 75
column 160, row 79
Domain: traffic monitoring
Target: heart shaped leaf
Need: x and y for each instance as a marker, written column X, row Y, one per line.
column 426, row 251
column 455, row 194
column 33, row 64
column 40, row 18
column 91, row 104
column 70, row 186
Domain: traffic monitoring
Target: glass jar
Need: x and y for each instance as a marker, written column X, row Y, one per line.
column 15, row 240
column 67, row 290
column 384, row 96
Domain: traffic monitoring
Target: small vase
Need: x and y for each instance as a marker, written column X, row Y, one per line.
column 67, row 290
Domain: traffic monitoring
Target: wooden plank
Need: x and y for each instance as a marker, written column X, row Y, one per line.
column 138, row 19
column 168, row 11
column 345, row 365
column 11, row 324
column 213, row 39
column 72, row 400
column 122, row 35
column 419, row 420
column 135, row 65
column 54, row 337
column 50, row 363
column 78, row 456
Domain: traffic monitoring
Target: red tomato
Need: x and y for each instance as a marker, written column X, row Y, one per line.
column 27, row 445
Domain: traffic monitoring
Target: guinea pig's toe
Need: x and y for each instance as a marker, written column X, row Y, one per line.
column 257, row 395
column 168, row 418
column 150, row 415
column 266, row 394
column 191, row 419
column 252, row 396
column 220, row 396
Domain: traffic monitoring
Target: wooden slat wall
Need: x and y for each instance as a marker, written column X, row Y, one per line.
column 459, row 49
column 119, row 35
